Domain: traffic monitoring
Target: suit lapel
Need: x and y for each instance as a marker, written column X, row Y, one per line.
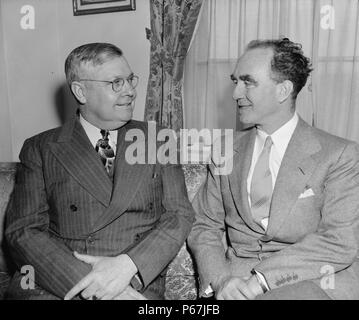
column 243, row 151
column 297, row 167
column 127, row 177
column 75, row 152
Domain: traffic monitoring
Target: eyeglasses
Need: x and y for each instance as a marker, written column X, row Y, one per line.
column 118, row 83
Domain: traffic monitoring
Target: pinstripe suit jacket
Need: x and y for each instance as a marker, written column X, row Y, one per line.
column 307, row 237
column 64, row 201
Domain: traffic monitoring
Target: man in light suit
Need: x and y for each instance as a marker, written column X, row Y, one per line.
column 91, row 224
column 284, row 223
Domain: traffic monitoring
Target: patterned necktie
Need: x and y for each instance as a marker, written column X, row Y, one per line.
column 261, row 186
column 105, row 151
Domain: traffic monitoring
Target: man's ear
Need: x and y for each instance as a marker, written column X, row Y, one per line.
column 78, row 90
column 284, row 90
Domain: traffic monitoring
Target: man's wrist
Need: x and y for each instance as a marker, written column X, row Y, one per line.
column 132, row 268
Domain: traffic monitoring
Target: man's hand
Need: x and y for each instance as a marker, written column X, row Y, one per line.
column 234, row 288
column 130, row 294
column 109, row 277
column 254, row 285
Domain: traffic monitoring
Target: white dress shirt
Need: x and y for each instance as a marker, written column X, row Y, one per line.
column 280, row 139
column 94, row 134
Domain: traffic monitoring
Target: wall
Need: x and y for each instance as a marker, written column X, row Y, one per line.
column 33, row 93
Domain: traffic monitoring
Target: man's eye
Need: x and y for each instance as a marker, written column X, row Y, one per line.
column 248, row 83
column 118, row 82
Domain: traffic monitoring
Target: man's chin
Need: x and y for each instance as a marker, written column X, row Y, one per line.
column 125, row 114
column 245, row 119
column 126, row 118
column 245, row 115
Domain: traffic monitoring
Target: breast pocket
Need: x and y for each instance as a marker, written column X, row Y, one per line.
column 304, row 216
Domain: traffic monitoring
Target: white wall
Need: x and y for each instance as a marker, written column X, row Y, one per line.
column 33, row 93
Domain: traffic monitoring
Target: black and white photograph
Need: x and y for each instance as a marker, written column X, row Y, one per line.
column 179, row 150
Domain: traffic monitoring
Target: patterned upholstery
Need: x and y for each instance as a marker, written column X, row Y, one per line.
column 181, row 278
column 7, row 172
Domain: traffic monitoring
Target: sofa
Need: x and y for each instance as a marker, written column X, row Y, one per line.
column 7, row 174
column 181, row 277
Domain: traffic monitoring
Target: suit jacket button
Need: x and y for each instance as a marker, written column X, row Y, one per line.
column 73, row 208
column 150, row 206
column 90, row 240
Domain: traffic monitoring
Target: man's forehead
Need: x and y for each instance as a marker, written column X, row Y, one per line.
column 112, row 67
column 253, row 60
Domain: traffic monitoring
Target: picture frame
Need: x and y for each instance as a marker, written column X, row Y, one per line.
column 82, row 7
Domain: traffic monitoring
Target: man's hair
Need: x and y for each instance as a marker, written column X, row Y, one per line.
column 288, row 62
column 94, row 53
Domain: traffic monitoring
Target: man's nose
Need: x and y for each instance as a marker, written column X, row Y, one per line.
column 128, row 89
column 239, row 91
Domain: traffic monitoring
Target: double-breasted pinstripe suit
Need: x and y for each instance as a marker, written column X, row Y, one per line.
column 64, row 201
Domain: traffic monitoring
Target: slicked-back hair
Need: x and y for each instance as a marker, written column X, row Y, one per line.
column 288, row 62
column 93, row 53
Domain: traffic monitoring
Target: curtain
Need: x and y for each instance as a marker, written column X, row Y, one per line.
column 330, row 98
column 172, row 26
column 336, row 74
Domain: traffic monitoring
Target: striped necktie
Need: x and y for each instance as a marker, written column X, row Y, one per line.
column 105, row 151
column 261, row 186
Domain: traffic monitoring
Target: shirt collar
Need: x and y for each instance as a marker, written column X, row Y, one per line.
column 281, row 136
column 93, row 132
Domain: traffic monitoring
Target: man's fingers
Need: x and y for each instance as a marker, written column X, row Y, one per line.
column 78, row 288
column 135, row 294
column 130, row 294
column 86, row 258
column 230, row 294
column 235, row 289
column 243, row 288
column 92, row 291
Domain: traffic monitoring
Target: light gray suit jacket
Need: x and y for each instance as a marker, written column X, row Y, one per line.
column 306, row 238
column 64, row 201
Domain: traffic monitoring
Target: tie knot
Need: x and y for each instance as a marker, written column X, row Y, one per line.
column 104, row 134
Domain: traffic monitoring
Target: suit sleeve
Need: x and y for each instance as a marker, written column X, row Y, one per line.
column 27, row 229
column 206, row 237
column 161, row 244
column 335, row 243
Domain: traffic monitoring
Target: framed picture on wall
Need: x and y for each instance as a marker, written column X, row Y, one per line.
column 82, row 7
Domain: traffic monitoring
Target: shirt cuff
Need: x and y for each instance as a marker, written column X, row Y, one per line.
column 262, row 281
column 208, row 292
column 136, row 283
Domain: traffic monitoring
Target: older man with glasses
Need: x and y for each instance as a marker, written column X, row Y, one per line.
column 92, row 225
